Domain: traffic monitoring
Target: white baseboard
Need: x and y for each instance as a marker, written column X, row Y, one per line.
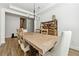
column 75, row 47
column 2, row 41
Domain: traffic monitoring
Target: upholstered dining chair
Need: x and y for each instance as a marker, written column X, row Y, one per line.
column 62, row 46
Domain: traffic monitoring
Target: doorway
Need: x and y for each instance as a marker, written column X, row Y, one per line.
column 30, row 24
column 23, row 22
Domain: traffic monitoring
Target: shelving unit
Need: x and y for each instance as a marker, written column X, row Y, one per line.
column 51, row 26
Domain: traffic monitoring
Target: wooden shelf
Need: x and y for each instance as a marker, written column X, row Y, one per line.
column 51, row 26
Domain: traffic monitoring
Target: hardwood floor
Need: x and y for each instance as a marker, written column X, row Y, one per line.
column 73, row 52
column 10, row 48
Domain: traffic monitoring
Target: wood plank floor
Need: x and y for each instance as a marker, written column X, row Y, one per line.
column 10, row 48
column 73, row 52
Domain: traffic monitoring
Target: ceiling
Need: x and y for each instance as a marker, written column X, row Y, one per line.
column 30, row 6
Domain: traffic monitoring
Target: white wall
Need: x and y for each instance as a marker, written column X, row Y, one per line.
column 4, row 8
column 68, row 19
column 12, row 22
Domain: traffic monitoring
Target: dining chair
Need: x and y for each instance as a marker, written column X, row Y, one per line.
column 44, row 31
column 20, row 31
column 18, row 36
column 62, row 46
column 24, row 30
column 37, row 30
column 24, row 46
column 22, row 43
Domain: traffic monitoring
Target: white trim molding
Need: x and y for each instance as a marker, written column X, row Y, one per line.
column 18, row 13
column 19, row 9
column 2, row 34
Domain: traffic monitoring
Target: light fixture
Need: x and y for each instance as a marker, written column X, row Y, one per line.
column 34, row 11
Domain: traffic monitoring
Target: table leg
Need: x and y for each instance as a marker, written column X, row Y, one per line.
column 40, row 54
column 33, row 51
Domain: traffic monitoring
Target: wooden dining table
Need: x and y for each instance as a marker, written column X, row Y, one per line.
column 41, row 42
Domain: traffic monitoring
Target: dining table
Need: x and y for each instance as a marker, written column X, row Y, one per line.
column 41, row 42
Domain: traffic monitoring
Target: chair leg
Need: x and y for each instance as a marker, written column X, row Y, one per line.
column 25, row 53
column 18, row 45
column 40, row 55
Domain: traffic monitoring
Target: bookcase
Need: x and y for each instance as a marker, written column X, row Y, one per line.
column 49, row 27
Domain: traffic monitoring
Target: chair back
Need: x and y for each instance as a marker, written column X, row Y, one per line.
column 24, row 30
column 23, row 44
column 62, row 47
